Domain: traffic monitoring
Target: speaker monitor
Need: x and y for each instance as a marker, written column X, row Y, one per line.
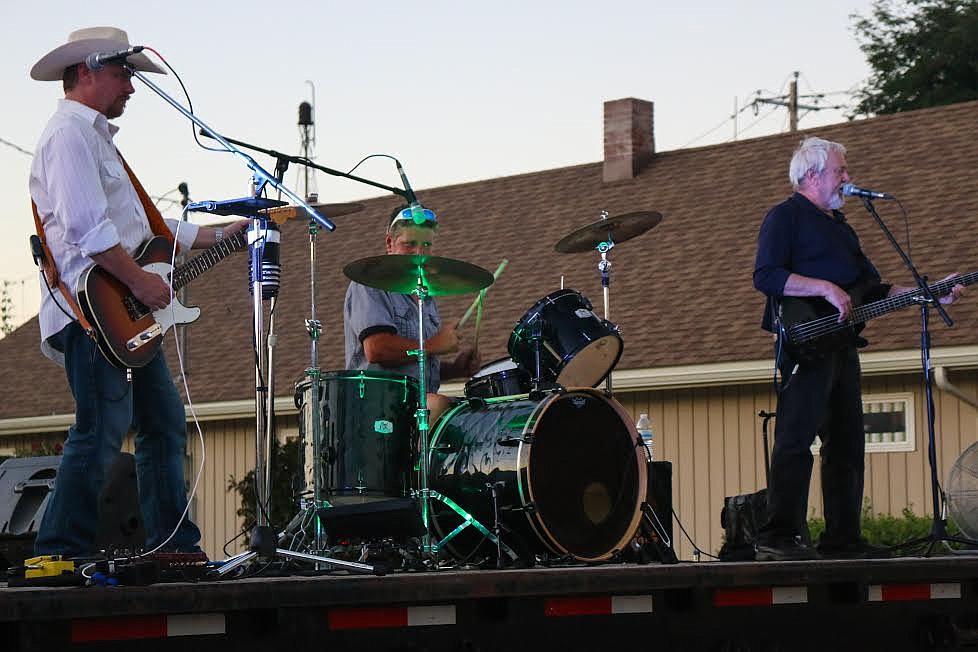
column 399, row 518
column 26, row 484
column 659, row 495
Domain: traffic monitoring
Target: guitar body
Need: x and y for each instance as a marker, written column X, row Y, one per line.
column 795, row 313
column 128, row 335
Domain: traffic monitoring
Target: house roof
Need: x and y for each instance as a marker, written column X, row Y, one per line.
column 681, row 293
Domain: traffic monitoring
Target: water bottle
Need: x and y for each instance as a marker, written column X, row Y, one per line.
column 644, row 427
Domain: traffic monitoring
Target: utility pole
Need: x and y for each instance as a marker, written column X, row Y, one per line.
column 790, row 101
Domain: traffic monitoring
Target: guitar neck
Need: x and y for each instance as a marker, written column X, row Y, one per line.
column 899, row 301
column 210, row 257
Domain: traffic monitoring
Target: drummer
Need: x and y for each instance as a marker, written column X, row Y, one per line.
column 380, row 327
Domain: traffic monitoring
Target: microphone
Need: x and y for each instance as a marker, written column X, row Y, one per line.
column 184, row 193
column 98, row 60
column 855, row 191
column 264, row 243
column 417, row 210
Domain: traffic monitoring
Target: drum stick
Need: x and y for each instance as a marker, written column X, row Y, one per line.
column 468, row 313
column 478, row 320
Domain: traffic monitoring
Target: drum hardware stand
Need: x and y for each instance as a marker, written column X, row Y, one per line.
column 426, row 494
column 604, row 267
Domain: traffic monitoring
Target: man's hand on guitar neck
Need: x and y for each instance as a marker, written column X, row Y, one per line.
column 148, row 287
column 806, row 286
column 946, row 299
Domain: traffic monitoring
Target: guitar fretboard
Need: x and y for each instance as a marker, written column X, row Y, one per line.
column 210, row 257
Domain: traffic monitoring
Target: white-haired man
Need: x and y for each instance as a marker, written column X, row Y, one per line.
column 92, row 211
column 807, row 249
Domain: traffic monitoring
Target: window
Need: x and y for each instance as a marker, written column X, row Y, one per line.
column 888, row 421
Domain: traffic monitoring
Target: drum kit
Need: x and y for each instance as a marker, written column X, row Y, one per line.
column 533, row 464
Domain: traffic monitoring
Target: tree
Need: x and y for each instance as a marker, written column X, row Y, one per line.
column 922, row 52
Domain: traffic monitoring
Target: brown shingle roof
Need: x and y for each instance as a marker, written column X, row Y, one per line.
column 681, row 293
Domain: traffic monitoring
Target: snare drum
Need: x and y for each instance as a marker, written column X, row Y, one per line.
column 577, row 348
column 500, row 378
column 369, row 434
column 568, row 468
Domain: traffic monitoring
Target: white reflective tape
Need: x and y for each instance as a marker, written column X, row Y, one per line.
column 945, row 591
column 789, row 594
column 195, row 624
column 433, row 615
column 631, row 604
column 875, row 593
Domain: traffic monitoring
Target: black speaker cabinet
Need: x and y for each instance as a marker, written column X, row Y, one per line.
column 659, row 495
column 26, row 484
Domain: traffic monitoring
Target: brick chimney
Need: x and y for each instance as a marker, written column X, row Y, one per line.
column 629, row 142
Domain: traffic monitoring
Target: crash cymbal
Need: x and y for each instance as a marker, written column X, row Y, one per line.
column 285, row 213
column 399, row 273
column 618, row 229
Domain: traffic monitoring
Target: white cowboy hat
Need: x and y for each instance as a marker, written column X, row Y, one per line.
column 83, row 42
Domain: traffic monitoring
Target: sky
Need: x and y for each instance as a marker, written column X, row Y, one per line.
column 457, row 91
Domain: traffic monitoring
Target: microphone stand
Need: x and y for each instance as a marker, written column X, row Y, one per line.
column 926, row 299
column 263, row 543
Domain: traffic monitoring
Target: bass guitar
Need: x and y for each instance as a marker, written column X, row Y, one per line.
column 127, row 332
column 809, row 327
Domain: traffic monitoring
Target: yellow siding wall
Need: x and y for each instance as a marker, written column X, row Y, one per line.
column 712, row 436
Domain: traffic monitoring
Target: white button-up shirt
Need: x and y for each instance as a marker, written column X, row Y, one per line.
column 86, row 203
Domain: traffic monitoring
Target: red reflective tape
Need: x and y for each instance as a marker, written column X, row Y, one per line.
column 367, row 618
column 897, row 592
column 742, row 597
column 599, row 606
column 118, row 629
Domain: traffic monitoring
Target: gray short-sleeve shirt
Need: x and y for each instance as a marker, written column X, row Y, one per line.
column 368, row 310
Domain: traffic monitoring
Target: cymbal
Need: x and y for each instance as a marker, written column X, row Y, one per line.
column 399, row 273
column 286, row 213
column 617, row 229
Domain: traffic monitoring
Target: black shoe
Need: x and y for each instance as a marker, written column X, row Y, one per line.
column 858, row 549
column 791, row 549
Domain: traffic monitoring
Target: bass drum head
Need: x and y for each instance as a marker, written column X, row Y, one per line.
column 570, row 480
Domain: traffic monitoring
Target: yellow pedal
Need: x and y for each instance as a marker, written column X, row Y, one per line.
column 47, row 566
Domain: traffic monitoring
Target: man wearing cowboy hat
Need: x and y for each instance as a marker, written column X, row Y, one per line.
column 91, row 212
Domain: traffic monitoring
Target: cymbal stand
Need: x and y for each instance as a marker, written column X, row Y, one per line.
column 429, row 547
column 604, row 267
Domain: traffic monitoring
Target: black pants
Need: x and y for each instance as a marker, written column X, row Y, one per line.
column 824, row 399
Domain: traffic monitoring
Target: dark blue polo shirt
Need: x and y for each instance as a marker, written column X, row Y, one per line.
column 797, row 237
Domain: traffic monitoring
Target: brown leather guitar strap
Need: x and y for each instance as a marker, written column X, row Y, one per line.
column 54, row 279
column 156, row 223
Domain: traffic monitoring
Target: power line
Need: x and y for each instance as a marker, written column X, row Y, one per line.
column 16, row 147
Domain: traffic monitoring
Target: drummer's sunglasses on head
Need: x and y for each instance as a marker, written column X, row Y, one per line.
column 417, row 215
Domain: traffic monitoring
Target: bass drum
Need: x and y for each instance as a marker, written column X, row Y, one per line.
column 368, row 435
column 568, row 470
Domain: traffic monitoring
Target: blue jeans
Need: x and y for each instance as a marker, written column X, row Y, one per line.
column 106, row 407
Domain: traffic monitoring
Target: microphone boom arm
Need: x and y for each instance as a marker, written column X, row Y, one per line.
column 261, row 176
column 302, row 160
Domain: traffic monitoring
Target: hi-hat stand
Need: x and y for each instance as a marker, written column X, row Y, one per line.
column 263, row 539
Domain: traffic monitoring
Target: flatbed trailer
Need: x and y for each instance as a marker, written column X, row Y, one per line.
column 909, row 603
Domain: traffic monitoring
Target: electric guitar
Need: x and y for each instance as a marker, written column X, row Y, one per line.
column 809, row 328
column 128, row 333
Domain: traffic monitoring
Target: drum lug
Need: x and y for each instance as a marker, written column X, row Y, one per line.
column 477, row 403
column 512, row 442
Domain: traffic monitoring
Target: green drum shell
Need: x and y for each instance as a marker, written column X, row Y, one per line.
column 569, row 474
column 369, row 434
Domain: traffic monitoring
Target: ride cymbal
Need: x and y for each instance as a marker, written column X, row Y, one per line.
column 617, row 229
column 400, row 273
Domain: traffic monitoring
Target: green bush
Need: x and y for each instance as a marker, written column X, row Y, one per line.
column 886, row 529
